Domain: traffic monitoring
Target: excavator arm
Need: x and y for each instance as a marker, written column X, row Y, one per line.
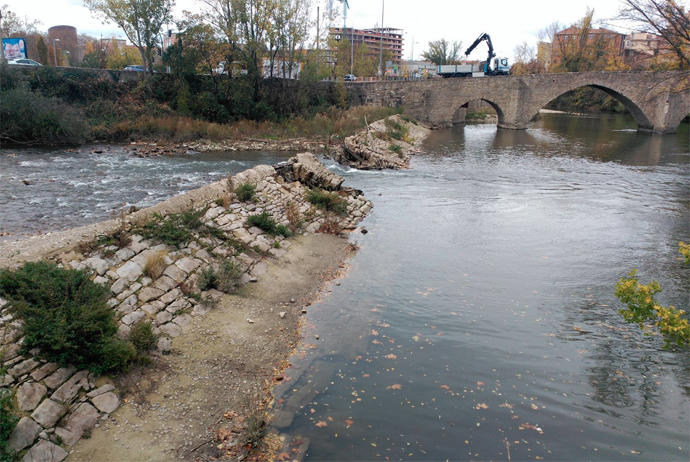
column 480, row 39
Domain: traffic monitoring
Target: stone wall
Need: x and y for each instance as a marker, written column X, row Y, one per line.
column 59, row 405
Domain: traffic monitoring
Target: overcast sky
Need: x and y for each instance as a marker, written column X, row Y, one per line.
column 509, row 22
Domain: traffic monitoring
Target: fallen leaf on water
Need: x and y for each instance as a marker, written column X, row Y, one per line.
column 374, row 332
column 312, row 410
column 349, row 422
column 445, row 387
column 396, row 386
column 480, row 384
column 481, row 406
column 509, row 406
column 321, row 424
column 391, row 356
column 534, row 407
column 376, row 342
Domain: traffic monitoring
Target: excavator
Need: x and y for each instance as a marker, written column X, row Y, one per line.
column 500, row 65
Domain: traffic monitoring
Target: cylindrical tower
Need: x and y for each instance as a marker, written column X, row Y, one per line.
column 64, row 39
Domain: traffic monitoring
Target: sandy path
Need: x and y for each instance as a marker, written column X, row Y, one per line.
column 172, row 406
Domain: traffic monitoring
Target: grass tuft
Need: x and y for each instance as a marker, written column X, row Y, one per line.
column 328, row 201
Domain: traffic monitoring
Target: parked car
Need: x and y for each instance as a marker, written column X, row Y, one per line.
column 350, row 77
column 134, row 68
column 24, row 62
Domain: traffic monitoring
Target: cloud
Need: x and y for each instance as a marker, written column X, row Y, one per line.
column 507, row 21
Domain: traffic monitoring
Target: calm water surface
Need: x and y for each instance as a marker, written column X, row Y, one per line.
column 68, row 188
column 478, row 320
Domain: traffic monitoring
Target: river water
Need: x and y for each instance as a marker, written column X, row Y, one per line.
column 478, row 320
column 50, row 190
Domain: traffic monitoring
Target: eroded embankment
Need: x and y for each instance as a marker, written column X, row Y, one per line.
column 217, row 354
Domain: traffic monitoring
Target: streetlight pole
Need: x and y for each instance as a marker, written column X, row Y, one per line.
column 55, row 51
column 383, row 4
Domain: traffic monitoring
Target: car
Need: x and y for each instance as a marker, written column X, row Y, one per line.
column 350, row 77
column 24, row 62
column 134, row 68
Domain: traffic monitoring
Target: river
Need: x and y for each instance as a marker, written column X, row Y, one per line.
column 478, row 320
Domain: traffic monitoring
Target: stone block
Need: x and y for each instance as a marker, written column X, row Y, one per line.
column 187, row 264
column 164, row 283
column 48, row 413
column 107, row 402
column 149, row 293
column 97, row 264
column 29, row 394
column 45, row 451
column 130, row 271
column 175, row 273
column 58, row 377
column 84, row 417
column 163, row 317
column 24, row 434
column 171, row 296
column 71, row 387
column 100, row 390
column 24, row 367
column 133, row 318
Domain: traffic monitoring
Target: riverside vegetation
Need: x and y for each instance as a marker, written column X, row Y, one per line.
column 47, row 107
column 642, row 309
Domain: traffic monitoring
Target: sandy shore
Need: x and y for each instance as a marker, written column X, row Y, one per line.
column 174, row 408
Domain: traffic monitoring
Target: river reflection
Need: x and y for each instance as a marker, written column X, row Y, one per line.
column 478, row 320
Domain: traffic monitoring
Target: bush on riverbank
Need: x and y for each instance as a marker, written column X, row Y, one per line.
column 328, row 201
column 66, row 316
column 33, row 119
column 266, row 223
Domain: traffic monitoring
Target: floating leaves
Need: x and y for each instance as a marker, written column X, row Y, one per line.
column 395, row 386
column 321, row 424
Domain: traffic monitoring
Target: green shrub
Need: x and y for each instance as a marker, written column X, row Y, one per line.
column 8, row 420
column 395, row 148
column 208, row 279
column 66, row 316
column 265, row 222
column 328, row 201
column 245, row 192
column 177, row 229
column 143, row 338
column 229, row 276
column 30, row 118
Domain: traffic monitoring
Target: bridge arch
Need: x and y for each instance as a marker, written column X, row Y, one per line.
column 459, row 106
column 644, row 120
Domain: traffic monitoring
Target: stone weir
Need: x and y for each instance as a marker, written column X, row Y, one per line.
column 385, row 144
column 59, row 404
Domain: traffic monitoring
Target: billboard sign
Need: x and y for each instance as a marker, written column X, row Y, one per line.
column 14, row 48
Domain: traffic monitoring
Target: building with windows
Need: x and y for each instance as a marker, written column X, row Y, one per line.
column 392, row 40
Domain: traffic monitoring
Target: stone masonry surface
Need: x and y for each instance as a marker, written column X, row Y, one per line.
column 61, row 404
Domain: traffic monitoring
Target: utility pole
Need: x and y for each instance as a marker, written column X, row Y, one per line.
column 383, row 5
column 55, row 51
column 318, row 37
column 352, row 52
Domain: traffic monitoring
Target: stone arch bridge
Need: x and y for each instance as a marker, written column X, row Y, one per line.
column 658, row 101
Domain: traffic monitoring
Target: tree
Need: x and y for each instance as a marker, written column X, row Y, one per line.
column 548, row 33
column 140, row 20
column 587, row 51
column 443, row 52
column 42, row 50
column 12, row 24
column 526, row 60
column 666, row 18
